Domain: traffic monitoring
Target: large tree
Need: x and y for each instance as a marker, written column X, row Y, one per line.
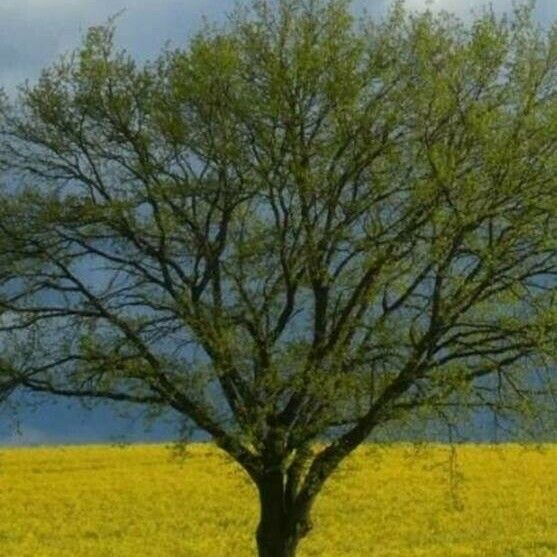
column 293, row 231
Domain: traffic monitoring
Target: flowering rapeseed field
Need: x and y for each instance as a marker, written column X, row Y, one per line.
column 391, row 501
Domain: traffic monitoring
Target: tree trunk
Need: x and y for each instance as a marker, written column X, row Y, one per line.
column 276, row 544
column 278, row 533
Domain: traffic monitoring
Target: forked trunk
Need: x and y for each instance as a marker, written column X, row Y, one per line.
column 278, row 533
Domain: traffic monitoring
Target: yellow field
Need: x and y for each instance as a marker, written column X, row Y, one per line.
column 144, row 501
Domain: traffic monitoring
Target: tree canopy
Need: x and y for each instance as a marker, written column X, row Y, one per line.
column 295, row 229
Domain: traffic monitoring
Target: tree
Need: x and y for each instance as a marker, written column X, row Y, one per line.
column 295, row 230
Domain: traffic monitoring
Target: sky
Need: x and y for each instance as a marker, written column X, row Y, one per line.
column 33, row 34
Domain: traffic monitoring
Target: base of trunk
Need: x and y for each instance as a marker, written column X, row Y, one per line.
column 276, row 544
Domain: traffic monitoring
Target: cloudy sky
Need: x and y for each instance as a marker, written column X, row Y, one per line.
column 33, row 33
